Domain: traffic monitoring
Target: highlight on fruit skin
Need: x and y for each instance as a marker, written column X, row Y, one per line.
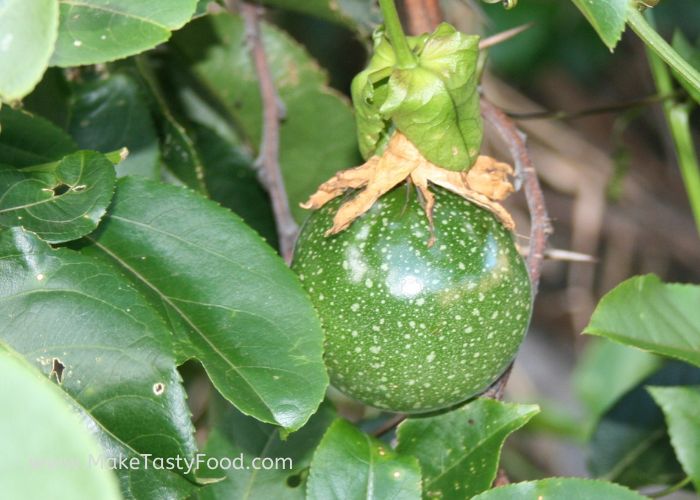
column 411, row 328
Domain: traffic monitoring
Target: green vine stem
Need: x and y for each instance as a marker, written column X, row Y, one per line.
column 654, row 42
column 671, row 489
column 677, row 116
column 404, row 55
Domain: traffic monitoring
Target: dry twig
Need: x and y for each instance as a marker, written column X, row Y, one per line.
column 268, row 158
column 422, row 16
column 539, row 221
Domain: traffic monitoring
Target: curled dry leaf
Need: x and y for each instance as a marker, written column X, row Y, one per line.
column 485, row 184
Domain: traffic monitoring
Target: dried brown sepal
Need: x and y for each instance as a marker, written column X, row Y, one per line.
column 399, row 159
column 485, row 184
column 459, row 183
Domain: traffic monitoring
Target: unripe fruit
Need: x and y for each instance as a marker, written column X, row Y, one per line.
column 410, row 328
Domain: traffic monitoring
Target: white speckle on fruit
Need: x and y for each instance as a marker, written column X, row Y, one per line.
column 430, row 357
column 369, row 283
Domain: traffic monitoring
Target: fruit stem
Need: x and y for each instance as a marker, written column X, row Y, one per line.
column 404, row 56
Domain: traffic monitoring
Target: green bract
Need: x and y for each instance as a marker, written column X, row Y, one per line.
column 411, row 328
column 435, row 104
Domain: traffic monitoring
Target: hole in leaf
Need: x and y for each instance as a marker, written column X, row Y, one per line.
column 294, row 481
column 61, row 189
column 57, row 369
column 158, row 388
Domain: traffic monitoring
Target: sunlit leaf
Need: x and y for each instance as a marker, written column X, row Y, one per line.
column 28, row 31
column 608, row 17
column 95, row 31
column 662, row 318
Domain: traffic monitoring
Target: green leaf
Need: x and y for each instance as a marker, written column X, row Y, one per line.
column 459, row 450
column 28, row 31
column 608, row 370
column 202, row 8
column 111, row 114
column 180, row 156
column 229, row 299
column 51, row 98
column 233, row 182
column 28, row 139
column 690, row 54
column 630, row 445
column 653, row 316
column 37, row 409
column 230, row 176
column 352, row 465
column 250, row 443
column 318, row 135
column 95, row 31
column 81, row 324
column 608, row 17
column 357, row 15
column 62, row 205
column 681, row 407
column 561, row 489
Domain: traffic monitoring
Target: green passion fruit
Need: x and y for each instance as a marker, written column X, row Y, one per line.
column 409, row 328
